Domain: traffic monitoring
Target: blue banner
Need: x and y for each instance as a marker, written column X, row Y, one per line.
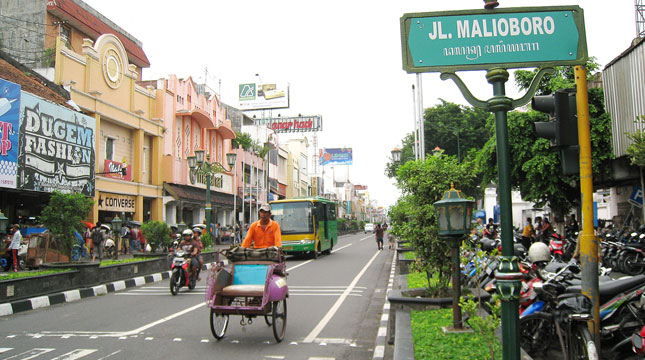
column 9, row 126
column 335, row 156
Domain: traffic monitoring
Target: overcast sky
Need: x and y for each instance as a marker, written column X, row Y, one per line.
column 341, row 58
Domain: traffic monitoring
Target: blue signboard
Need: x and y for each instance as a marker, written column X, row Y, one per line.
column 335, row 156
column 636, row 198
column 9, row 125
column 56, row 148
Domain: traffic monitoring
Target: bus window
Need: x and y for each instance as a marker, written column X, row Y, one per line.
column 293, row 217
column 331, row 212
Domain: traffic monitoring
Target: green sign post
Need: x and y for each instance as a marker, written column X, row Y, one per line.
column 495, row 40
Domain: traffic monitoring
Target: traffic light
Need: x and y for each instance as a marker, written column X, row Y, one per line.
column 563, row 129
column 561, row 107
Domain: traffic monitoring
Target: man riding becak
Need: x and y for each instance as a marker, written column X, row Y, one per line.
column 265, row 232
column 191, row 246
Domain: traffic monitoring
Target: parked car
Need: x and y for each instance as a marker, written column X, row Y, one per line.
column 369, row 227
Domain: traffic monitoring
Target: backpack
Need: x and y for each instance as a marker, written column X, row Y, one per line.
column 97, row 237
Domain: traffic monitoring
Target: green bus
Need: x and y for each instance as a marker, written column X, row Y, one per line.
column 308, row 225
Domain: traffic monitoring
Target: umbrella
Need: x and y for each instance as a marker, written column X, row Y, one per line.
column 134, row 223
column 88, row 224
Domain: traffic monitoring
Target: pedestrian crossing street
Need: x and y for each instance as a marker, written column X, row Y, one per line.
column 200, row 290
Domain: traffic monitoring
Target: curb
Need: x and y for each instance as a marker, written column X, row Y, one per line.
column 381, row 336
column 38, row 302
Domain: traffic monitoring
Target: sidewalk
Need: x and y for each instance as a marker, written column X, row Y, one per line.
column 53, row 298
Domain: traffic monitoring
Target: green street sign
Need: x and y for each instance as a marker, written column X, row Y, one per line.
column 481, row 39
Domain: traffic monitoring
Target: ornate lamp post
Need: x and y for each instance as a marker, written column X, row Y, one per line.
column 454, row 213
column 231, row 160
column 206, row 168
column 116, row 230
column 396, row 155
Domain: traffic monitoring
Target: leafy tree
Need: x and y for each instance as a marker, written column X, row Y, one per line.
column 243, row 139
column 413, row 216
column 64, row 215
column 157, row 233
column 535, row 166
column 442, row 123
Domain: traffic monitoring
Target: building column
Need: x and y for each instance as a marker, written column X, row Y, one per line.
column 137, row 162
column 156, row 209
column 94, row 212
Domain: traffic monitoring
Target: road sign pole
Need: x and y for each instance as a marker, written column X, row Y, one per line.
column 588, row 241
column 508, row 273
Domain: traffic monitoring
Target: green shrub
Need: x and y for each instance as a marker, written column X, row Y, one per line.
column 156, row 233
column 207, row 239
column 64, row 215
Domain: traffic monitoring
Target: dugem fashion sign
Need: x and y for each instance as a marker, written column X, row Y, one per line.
column 56, row 148
column 481, row 39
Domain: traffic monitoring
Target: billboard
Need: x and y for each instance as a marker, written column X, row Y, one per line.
column 254, row 96
column 9, row 126
column 335, row 156
column 56, row 148
column 295, row 124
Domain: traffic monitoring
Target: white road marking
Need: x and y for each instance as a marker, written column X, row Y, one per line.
column 305, row 294
column 75, row 354
column 30, row 354
column 4, row 350
column 114, row 353
column 341, row 248
column 321, row 325
column 365, row 238
column 299, row 265
column 161, row 321
column 323, row 287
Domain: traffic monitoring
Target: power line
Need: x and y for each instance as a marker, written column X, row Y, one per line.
column 24, row 28
column 23, row 51
column 26, row 21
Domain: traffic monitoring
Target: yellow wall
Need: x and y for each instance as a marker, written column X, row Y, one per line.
column 123, row 111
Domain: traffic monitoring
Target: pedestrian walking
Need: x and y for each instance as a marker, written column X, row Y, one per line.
column 218, row 233
column 14, row 246
column 134, row 237
column 527, row 233
column 378, row 232
column 98, row 238
column 125, row 235
column 141, row 239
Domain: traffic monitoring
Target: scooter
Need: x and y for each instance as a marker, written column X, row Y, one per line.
column 181, row 274
column 556, row 245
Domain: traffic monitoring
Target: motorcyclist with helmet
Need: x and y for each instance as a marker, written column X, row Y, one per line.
column 191, row 246
column 197, row 237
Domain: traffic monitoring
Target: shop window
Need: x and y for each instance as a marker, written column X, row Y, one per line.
column 145, row 159
column 109, row 148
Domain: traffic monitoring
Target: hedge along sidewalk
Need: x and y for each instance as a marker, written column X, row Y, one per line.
column 78, row 294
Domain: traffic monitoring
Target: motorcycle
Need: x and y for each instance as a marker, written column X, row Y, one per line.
column 556, row 245
column 181, row 274
column 6, row 260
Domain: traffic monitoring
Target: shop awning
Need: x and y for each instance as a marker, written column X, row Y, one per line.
column 197, row 195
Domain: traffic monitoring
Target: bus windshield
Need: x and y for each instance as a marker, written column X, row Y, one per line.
column 293, row 217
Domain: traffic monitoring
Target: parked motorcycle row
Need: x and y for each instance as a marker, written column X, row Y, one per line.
column 554, row 315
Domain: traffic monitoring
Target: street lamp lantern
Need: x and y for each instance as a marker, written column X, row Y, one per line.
column 230, row 159
column 4, row 221
column 199, row 154
column 181, row 226
column 396, row 155
column 192, row 162
column 454, row 213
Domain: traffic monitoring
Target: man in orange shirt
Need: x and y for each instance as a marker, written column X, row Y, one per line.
column 265, row 232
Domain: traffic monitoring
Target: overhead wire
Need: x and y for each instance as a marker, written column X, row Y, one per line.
column 26, row 21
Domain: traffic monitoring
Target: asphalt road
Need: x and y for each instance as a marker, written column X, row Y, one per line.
column 334, row 311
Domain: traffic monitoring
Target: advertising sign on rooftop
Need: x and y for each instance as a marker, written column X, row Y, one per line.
column 254, row 96
column 506, row 37
column 335, row 156
column 296, row 124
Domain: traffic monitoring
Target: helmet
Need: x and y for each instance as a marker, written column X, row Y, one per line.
column 187, row 232
column 539, row 251
column 197, row 229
